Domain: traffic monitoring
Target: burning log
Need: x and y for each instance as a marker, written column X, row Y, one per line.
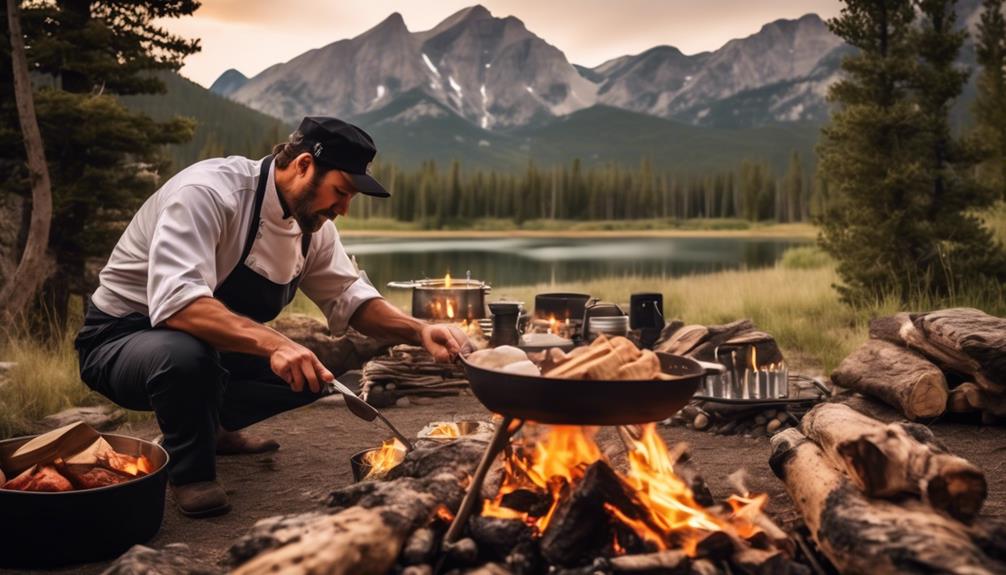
column 876, row 536
column 899, row 377
column 580, row 526
column 890, row 460
column 668, row 562
column 368, row 523
column 497, row 536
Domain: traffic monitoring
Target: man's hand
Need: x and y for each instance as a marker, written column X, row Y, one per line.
column 296, row 364
column 445, row 342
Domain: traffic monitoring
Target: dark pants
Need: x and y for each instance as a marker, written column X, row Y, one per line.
column 191, row 387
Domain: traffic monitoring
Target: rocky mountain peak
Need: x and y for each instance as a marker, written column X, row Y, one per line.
column 228, row 82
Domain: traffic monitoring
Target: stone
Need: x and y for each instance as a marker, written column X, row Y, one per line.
column 173, row 559
column 402, row 402
column 100, row 417
column 337, row 353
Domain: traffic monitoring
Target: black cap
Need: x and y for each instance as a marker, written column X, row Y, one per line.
column 345, row 147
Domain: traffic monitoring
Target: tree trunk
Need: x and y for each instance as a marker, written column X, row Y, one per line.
column 899, row 377
column 34, row 267
column 891, row 460
column 875, row 536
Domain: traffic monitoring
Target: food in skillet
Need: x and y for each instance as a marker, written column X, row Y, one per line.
column 604, row 359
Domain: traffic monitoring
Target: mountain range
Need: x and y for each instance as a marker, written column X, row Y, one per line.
column 487, row 90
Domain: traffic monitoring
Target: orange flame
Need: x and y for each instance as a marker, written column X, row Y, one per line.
column 448, row 430
column 443, row 513
column 450, row 309
column 128, row 464
column 669, row 514
column 447, row 280
column 382, row 460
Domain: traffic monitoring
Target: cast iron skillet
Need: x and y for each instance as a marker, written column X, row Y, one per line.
column 586, row 402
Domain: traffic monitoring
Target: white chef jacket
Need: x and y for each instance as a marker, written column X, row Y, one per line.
column 189, row 235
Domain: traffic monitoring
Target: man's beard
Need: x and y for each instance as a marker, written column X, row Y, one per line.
column 308, row 220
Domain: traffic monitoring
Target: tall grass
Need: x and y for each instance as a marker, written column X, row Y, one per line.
column 44, row 380
column 995, row 220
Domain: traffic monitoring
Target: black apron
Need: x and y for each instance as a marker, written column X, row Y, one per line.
column 192, row 388
column 244, row 291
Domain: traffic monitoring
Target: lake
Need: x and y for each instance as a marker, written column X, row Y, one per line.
column 521, row 261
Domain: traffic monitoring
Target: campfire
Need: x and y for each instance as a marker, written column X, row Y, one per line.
column 652, row 508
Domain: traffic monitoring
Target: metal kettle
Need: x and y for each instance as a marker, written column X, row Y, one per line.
column 595, row 308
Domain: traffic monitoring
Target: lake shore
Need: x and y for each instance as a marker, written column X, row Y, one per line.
column 801, row 231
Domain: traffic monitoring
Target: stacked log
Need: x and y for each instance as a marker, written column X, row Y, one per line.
column 408, row 371
column 927, row 364
column 856, row 482
column 727, row 419
column 701, row 342
column 891, row 460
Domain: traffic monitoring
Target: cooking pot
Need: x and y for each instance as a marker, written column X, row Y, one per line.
column 39, row 529
column 560, row 305
column 430, row 298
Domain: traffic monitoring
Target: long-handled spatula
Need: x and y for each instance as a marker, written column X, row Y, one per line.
column 367, row 412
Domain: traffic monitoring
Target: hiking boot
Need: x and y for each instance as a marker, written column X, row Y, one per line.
column 237, row 443
column 201, row 499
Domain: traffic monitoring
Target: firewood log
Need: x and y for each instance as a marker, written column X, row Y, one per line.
column 668, row 561
column 367, row 524
column 353, row 541
column 874, row 536
column 966, row 398
column 683, row 340
column 891, row 460
column 899, row 377
column 965, row 340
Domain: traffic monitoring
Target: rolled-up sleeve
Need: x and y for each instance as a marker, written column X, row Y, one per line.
column 331, row 281
column 183, row 251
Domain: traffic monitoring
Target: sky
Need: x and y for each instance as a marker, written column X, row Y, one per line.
column 251, row 35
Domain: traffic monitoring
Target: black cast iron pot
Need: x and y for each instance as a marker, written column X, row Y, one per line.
column 560, row 305
column 49, row 529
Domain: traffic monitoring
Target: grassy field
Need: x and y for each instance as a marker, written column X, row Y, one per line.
column 793, row 300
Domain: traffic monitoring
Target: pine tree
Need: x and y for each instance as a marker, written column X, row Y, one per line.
column 901, row 194
column 870, row 155
column 990, row 104
column 103, row 159
column 961, row 249
column 793, row 188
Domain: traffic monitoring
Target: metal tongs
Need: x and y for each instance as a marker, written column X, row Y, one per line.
column 365, row 411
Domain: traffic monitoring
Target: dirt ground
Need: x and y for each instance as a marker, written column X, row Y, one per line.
column 317, row 442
